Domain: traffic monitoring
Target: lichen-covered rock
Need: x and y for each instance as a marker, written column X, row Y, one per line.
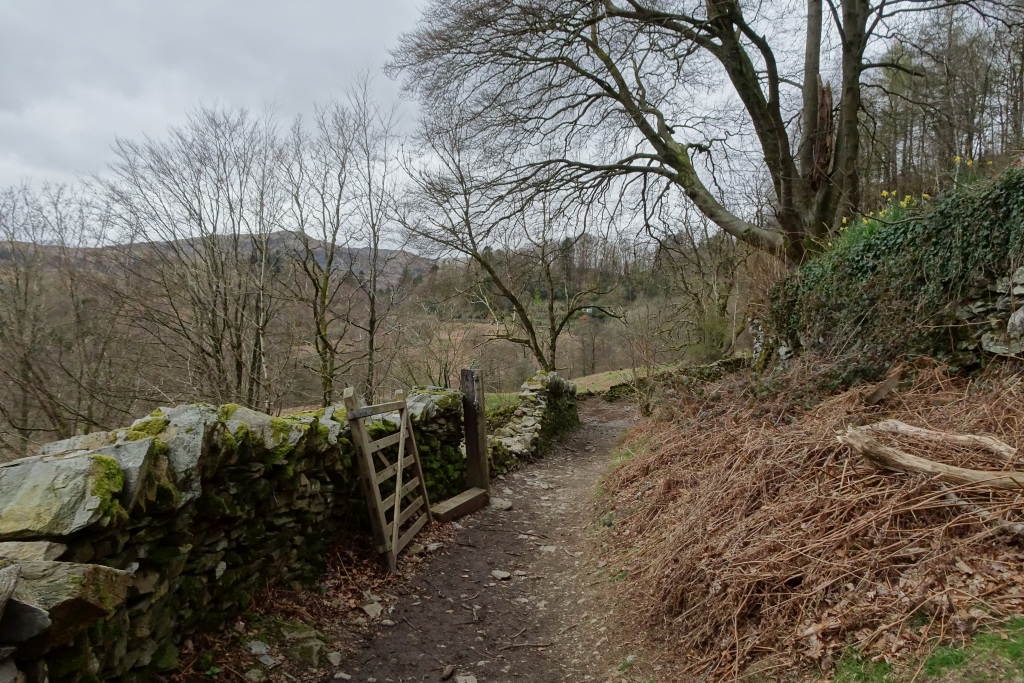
column 53, row 496
column 74, row 596
column 137, row 460
column 1002, row 344
column 187, row 437
column 81, row 442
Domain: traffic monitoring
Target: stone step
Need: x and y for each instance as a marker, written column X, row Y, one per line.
column 468, row 501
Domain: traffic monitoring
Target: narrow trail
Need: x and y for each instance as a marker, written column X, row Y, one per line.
column 547, row 621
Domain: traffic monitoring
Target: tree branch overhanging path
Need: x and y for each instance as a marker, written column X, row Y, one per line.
column 642, row 95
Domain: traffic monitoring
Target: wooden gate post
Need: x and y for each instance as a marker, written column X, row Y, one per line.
column 475, row 419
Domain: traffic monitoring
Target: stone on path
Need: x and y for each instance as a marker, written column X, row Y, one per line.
column 308, row 652
column 501, row 504
column 500, row 575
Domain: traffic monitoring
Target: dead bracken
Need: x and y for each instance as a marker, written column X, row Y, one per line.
column 768, row 546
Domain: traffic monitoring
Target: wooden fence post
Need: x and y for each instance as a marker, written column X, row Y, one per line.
column 475, row 419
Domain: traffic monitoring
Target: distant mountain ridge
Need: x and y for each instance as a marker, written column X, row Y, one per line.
column 394, row 264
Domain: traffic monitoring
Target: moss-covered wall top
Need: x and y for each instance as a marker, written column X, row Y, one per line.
column 117, row 545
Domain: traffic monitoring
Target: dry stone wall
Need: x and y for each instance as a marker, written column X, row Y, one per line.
column 987, row 322
column 115, row 546
column 994, row 318
column 547, row 409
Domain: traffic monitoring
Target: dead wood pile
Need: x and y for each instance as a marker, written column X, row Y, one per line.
column 755, row 540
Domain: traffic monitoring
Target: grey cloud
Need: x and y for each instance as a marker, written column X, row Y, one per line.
column 74, row 75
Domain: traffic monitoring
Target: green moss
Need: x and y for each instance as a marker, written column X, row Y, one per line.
column 109, row 481
column 166, row 656
column 501, row 416
column 157, row 413
column 280, row 428
column 501, row 458
column 323, row 433
column 282, row 431
column 160, row 449
column 153, row 426
column 226, row 411
column 308, row 413
column 167, row 496
column 228, row 442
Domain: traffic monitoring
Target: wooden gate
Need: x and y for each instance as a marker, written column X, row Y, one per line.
column 397, row 518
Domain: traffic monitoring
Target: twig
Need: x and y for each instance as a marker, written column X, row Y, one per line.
column 514, row 645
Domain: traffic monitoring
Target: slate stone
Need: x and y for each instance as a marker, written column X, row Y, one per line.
column 307, row 652
column 187, row 437
column 136, row 459
column 21, row 622
column 49, row 496
column 8, row 672
column 75, row 596
column 1001, row 344
column 8, row 580
column 31, row 550
column 82, row 442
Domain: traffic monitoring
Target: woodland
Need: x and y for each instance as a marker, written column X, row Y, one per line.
column 584, row 186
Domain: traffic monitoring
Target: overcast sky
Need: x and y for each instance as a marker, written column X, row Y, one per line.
column 74, row 74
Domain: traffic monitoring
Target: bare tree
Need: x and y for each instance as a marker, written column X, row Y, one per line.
column 196, row 212
column 521, row 245
column 67, row 364
column 318, row 172
column 377, row 261
column 671, row 96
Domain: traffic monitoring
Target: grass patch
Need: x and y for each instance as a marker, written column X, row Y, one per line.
column 943, row 658
column 603, row 381
column 853, row 668
column 493, row 401
column 994, row 657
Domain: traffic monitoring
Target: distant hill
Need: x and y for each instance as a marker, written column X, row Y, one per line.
column 394, row 263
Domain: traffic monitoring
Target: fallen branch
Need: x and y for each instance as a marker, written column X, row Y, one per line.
column 894, row 459
column 988, row 443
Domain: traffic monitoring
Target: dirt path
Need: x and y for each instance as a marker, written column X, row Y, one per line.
column 546, row 622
